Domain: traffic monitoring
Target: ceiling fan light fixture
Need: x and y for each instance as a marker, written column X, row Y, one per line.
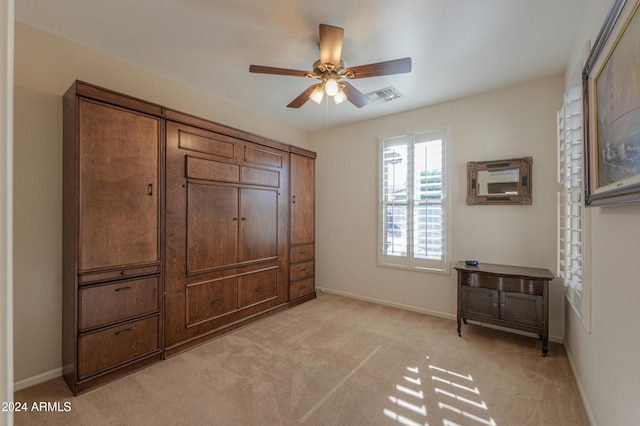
column 317, row 94
column 330, row 69
column 331, row 87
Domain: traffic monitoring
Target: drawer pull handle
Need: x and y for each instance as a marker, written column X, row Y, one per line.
column 123, row 272
column 303, row 252
column 121, row 332
column 303, row 287
column 216, row 301
column 259, row 290
column 123, row 289
column 303, row 269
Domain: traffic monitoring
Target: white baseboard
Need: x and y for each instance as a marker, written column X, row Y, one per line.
column 40, row 378
column 391, row 304
column 581, row 392
column 555, row 339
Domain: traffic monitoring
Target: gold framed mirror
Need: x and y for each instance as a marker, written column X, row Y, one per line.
column 499, row 182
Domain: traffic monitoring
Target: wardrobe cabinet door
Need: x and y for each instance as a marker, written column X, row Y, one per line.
column 258, row 224
column 302, row 200
column 119, row 216
column 212, row 226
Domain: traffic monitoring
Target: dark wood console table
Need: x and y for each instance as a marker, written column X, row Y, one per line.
column 509, row 296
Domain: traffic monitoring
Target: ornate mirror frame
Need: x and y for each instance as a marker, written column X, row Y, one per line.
column 516, row 191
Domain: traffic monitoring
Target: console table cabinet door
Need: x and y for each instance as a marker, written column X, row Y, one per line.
column 521, row 308
column 481, row 301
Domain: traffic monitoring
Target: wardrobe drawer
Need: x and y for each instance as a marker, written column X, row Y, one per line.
column 116, row 345
column 105, row 304
column 300, row 253
column 257, row 287
column 301, row 270
column 301, row 288
column 211, row 299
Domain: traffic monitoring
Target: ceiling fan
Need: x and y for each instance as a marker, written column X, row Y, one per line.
column 330, row 70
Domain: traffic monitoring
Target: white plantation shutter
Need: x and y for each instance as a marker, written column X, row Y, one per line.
column 413, row 203
column 572, row 248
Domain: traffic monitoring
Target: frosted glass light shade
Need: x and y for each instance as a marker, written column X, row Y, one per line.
column 331, row 87
column 339, row 97
column 317, row 94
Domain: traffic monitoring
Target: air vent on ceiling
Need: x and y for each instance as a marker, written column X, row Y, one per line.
column 384, row 95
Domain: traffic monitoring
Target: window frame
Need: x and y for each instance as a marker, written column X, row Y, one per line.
column 409, row 261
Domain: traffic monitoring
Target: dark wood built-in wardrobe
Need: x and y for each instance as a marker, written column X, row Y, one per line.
column 176, row 229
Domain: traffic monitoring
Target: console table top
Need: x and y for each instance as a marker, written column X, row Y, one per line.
column 517, row 271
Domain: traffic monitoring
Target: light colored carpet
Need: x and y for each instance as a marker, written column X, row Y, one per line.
column 336, row 361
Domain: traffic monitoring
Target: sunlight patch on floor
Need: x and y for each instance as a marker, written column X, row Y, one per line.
column 458, row 394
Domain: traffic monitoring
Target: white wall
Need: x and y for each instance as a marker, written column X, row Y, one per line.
column 509, row 123
column 45, row 66
column 605, row 360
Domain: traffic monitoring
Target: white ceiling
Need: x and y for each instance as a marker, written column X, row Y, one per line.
column 458, row 47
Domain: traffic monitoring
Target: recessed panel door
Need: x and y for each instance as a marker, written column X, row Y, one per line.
column 119, row 190
column 212, row 226
column 302, row 200
column 258, row 224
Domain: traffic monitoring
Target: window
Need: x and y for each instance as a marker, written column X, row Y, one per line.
column 572, row 217
column 413, row 202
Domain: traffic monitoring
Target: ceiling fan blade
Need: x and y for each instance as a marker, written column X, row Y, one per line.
column 354, row 96
column 278, row 71
column 302, row 97
column 330, row 45
column 395, row 66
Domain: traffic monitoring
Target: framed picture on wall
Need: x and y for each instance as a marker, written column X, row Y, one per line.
column 611, row 84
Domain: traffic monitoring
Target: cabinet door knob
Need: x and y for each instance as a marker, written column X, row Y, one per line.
column 469, row 280
column 150, row 189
